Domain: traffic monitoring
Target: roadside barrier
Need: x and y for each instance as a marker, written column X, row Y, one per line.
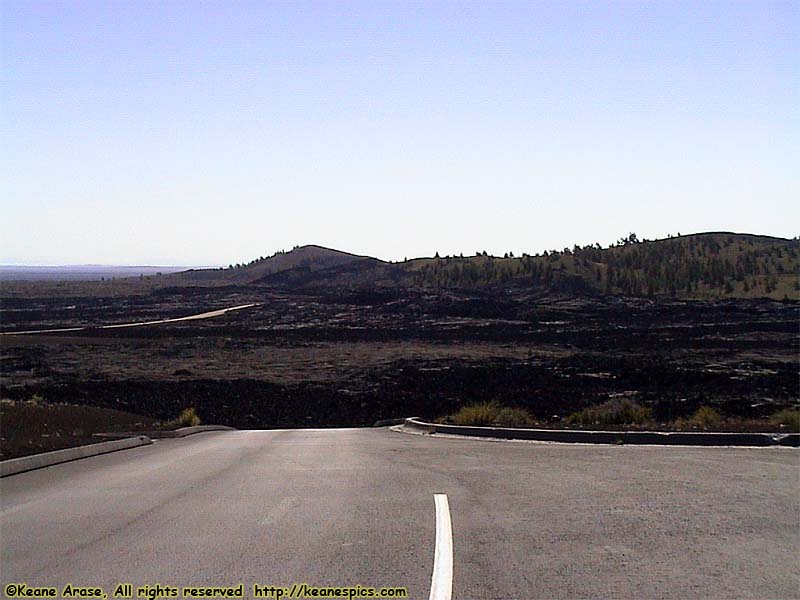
column 46, row 459
column 668, row 438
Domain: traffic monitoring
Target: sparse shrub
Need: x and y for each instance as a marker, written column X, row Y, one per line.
column 483, row 414
column 705, row 417
column 36, row 399
column 509, row 416
column 617, row 411
column 187, row 418
column 788, row 417
column 478, row 414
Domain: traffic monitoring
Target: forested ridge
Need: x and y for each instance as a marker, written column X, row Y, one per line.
column 694, row 266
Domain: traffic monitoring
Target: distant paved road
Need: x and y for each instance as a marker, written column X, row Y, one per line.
column 206, row 315
column 346, row 507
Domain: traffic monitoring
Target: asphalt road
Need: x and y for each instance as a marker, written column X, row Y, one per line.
column 206, row 315
column 347, row 507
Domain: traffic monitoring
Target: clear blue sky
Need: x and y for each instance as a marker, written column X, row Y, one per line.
column 213, row 132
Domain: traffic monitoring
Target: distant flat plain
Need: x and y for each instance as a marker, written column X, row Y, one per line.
column 80, row 272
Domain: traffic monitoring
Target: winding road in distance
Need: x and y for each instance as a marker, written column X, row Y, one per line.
column 375, row 507
column 205, row 315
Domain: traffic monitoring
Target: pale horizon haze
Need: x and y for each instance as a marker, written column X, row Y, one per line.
column 208, row 133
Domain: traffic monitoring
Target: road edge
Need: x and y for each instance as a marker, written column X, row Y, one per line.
column 573, row 436
column 23, row 464
column 167, row 433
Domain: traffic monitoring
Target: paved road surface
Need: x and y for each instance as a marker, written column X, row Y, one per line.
column 346, row 507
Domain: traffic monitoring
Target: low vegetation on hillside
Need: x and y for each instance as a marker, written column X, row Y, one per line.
column 718, row 265
column 699, row 266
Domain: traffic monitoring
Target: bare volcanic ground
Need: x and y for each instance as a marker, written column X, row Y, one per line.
column 344, row 357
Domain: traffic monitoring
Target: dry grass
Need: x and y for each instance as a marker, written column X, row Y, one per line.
column 788, row 417
column 509, row 416
column 187, row 418
column 487, row 414
column 613, row 412
column 705, row 417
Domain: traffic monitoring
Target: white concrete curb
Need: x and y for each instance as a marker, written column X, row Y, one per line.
column 46, row 459
column 176, row 433
column 184, row 431
column 676, row 438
